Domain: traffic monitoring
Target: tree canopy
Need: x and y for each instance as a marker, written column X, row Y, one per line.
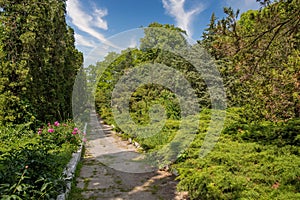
column 259, row 53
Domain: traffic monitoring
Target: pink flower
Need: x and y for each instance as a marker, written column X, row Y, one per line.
column 40, row 131
column 75, row 131
column 56, row 123
column 84, row 133
column 65, row 125
column 84, row 139
column 50, row 130
column 49, row 124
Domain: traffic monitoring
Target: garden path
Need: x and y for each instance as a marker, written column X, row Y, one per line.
column 109, row 170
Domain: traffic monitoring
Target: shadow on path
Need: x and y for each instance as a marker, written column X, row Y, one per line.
column 110, row 170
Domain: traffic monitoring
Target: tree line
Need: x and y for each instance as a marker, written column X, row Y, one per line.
column 256, row 52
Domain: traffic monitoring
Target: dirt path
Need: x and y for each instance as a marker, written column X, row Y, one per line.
column 110, row 170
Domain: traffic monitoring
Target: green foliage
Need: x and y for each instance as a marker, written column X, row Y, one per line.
column 38, row 61
column 259, row 58
column 279, row 134
column 249, row 162
column 31, row 163
column 157, row 48
column 164, row 37
column 237, row 170
column 257, row 154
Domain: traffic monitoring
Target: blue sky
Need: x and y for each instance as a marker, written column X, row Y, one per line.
column 94, row 21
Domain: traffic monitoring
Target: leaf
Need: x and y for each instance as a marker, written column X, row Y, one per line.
column 45, row 186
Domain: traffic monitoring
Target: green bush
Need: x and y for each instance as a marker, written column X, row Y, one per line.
column 250, row 161
column 276, row 133
column 235, row 170
column 31, row 163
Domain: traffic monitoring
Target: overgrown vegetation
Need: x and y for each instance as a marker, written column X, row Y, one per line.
column 39, row 64
column 256, row 160
column 32, row 162
column 257, row 53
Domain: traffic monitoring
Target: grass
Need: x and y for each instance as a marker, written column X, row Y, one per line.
column 75, row 191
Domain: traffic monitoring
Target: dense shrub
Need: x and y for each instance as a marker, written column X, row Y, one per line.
column 277, row 133
column 250, row 161
column 31, row 163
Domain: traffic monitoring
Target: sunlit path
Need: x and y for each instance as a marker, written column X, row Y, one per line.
column 110, row 171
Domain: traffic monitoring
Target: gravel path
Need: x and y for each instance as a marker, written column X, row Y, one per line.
column 111, row 170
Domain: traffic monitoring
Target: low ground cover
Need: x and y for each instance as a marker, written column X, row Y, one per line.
column 251, row 160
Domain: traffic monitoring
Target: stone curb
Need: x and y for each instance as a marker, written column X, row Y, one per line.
column 70, row 169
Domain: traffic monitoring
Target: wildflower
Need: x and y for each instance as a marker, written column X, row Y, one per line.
column 56, row 123
column 49, row 124
column 50, row 130
column 84, row 139
column 75, row 131
column 65, row 125
column 40, row 131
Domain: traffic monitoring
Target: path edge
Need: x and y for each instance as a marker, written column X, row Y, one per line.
column 69, row 171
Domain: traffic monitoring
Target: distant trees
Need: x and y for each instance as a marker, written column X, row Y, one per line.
column 39, row 61
column 162, row 44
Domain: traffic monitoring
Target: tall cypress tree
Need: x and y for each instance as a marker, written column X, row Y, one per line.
column 39, row 61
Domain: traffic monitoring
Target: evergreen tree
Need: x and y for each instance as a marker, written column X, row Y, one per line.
column 39, row 61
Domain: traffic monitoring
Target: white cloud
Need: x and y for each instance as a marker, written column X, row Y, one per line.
column 83, row 41
column 243, row 5
column 175, row 8
column 86, row 22
column 98, row 21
